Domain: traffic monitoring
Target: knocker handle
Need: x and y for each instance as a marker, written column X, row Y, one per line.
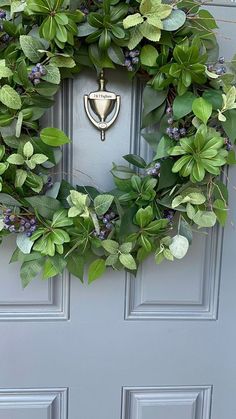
column 102, row 103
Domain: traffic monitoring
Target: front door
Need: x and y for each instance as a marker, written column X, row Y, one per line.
column 161, row 346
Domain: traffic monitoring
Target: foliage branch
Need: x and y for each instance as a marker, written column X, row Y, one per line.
column 189, row 96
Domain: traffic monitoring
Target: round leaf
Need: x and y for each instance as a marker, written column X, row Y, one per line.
column 54, row 137
column 9, row 97
column 179, row 246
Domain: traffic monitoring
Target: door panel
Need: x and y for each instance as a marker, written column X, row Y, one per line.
column 96, row 363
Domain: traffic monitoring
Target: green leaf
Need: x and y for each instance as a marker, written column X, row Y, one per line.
column 185, row 230
column 214, row 97
column 182, row 105
column 17, row 6
column 128, row 261
column 126, row 248
column 8, row 200
column 150, row 32
column 15, row 159
column 49, row 28
column 179, row 246
column 155, row 226
column 220, row 210
column 102, row 203
column 96, row 269
column 53, row 74
column 24, row 243
column 60, row 219
column 5, row 72
column 115, row 53
column 230, row 124
column 53, row 266
column 163, row 147
column 29, row 270
column 9, row 97
column 152, row 99
column 31, row 47
column 148, row 55
column 132, row 20
column 110, row 246
column 54, row 137
column 205, row 218
column 28, row 149
column 174, row 21
column 44, row 205
column 61, row 61
column 20, row 178
column 202, row 109
column 111, row 260
column 144, row 216
column 75, row 265
column 135, row 160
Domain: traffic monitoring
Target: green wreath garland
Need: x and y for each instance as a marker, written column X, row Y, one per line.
column 155, row 206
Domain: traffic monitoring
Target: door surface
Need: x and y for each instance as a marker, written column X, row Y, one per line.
column 161, row 346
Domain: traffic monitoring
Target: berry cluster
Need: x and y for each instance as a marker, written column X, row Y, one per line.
column 171, row 131
column 154, row 170
column 228, row 144
column 20, row 90
column 84, row 9
column 36, row 73
column 131, row 59
column 107, row 225
column 219, row 70
column 2, row 14
column 49, row 184
column 169, row 214
column 15, row 223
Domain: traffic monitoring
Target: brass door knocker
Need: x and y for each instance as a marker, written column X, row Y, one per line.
column 102, row 103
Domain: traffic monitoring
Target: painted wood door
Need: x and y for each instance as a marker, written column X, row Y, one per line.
column 161, row 346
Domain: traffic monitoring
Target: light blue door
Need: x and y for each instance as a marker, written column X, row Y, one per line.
column 161, row 346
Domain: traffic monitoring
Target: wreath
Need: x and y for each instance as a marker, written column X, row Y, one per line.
column 189, row 97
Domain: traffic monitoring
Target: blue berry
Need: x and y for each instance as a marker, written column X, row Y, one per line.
column 5, row 38
column 21, row 229
column 221, row 60
column 28, row 233
column 170, row 121
column 175, row 130
column 130, row 68
column 22, row 221
column 7, row 220
column 169, row 110
column 33, row 221
column 127, row 62
column 33, row 228
column 169, row 131
column 182, row 131
column 109, row 226
column 27, row 225
column 112, row 215
column 2, row 14
column 169, row 214
column 219, row 71
column 8, row 211
column 36, row 81
column 210, row 67
column 135, row 60
column 134, row 53
column 105, row 220
column 158, row 166
column 12, row 229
